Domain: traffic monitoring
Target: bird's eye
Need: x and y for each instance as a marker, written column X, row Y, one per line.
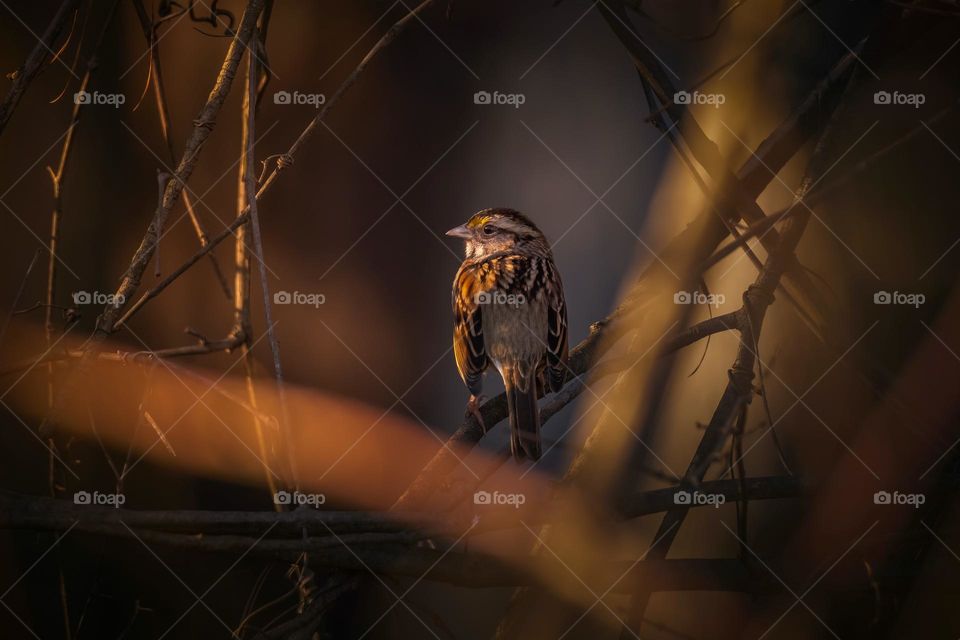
column 489, row 231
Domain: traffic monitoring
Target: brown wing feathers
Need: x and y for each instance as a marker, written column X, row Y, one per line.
column 468, row 347
column 556, row 331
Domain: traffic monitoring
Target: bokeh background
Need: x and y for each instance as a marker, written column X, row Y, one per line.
column 408, row 154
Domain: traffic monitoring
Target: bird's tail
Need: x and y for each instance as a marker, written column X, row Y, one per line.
column 524, row 413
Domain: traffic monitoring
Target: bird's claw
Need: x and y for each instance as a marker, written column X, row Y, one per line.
column 473, row 409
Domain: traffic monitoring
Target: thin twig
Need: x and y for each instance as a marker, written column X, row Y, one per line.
column 16, row 298
column 242, row 325
column 283, row 161
column 34, row 62
column 250, row 191
column 203, row 125
column 733, row 195
column 163, row 112
column 821, row 192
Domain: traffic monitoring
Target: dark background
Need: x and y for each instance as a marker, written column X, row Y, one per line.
column 386, row 274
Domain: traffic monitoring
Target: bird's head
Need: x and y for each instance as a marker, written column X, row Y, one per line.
column 500, row 230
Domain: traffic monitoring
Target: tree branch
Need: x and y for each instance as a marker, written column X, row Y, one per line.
column 203, row 125
column 23, row 76
column 739, row 390
column 163, row 112
column 33, row 513
column 285, row 160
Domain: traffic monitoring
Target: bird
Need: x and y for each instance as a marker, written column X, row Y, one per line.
column 509, row 310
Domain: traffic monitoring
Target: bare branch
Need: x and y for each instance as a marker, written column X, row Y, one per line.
column 163, row 112
column 202, row 127
column 45, row 514
column 739, row 390
column 249, row 192
column 23, row 76
column 285, row 160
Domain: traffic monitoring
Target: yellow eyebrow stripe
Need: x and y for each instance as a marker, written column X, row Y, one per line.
column 476, row 221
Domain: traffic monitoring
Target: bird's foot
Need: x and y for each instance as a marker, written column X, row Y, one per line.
column 473, row 409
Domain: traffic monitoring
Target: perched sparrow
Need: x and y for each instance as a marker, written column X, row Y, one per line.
column 508, row 309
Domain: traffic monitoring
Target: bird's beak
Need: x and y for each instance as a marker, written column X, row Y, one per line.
column 460, row 232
